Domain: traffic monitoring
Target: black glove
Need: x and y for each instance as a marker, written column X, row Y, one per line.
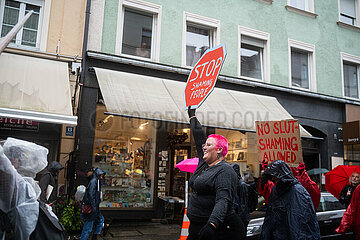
column 207, row 232
column 191, row 112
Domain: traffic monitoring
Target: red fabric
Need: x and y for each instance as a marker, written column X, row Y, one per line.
column 265, row 192
column 351, row 217
column 355, row 211
column 346, row 222
column 309, row 185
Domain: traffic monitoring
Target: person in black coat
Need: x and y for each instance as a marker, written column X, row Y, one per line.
column 48, row 178
column 92, row 197
column 290, row 214
column 243, row 196
column 347, row 191
column 211, row 210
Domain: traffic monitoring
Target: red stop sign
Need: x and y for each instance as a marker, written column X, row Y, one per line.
column 203, row 76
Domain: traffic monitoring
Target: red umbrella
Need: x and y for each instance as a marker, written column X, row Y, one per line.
column 337, row 178
column 188, row 165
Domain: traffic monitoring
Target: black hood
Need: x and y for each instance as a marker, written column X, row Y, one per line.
column 54, row 167
column 236, row 168
column 282, row 171
column 98, row 172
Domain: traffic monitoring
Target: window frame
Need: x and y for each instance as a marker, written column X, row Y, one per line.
column 42, row 31
column 142, row 7
column 310, row 49
column 308, row 12
column 263, row 36
column 357, row 17
column 200, row 21
column 345, row 57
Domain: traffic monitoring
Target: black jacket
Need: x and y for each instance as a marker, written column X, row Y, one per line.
column 344, row 199
column 48, row 178
column 92, row 196
column 213, row 187
column 290, row 214
column 242, row 192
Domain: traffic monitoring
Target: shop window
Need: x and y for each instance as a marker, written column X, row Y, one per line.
column 352, row 154
column 349, row 11
column 12, row 12
column 125, row 149
column 243, row 151
column 140, row 33
column 302, row 65
column 200, row 34
column 351, row 75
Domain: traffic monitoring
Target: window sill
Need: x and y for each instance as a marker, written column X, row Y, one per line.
column 137, row 57
column 265, row 1
column 348, row 26
column 301, row 12
column 351, row 98
column 23, row 47
column 303, row 89
column 35, row 52
column 253, row 79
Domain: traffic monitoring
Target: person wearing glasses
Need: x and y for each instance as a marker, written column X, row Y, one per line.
column 211, row 206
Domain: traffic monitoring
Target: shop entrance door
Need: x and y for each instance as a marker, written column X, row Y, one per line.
column 179, row 177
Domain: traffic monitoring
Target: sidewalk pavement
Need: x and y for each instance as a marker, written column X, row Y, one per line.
column 142, row 231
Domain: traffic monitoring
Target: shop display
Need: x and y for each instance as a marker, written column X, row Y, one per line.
column 127, row 182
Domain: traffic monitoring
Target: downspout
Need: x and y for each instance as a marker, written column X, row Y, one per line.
column 83, row 63
column 80, row 84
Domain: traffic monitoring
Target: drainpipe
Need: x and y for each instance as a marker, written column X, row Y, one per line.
column 79, row 84
column 10, row 36
column 85, row 40
column 83, row 63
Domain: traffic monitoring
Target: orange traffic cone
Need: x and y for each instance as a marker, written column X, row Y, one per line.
column 185, row 227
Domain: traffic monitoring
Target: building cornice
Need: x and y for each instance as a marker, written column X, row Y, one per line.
column 223, row 78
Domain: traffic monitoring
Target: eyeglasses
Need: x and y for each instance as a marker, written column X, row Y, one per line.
column 207, row 145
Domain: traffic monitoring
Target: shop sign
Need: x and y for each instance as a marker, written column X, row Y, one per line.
column 18, row 124
column 279, row 140
column 351, row 132
column 203, row 76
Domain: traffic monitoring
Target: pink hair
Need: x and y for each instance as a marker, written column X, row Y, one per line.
column 221, row 142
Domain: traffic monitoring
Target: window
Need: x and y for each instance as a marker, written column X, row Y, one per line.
column 302, row 65
column 254, row 54
column 300, row 68
column 300, row 4
column 303, row 7
column 351, row 75
column 349, row 10
column 200, row 33
column 198, row 40
column 139, row 33
column 12, row 12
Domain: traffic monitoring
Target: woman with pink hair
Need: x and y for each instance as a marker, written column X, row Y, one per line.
column 214, row 183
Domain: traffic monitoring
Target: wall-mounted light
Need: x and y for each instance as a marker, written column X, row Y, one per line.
column 135, row 139
column 141, row 127
column 105, row 120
